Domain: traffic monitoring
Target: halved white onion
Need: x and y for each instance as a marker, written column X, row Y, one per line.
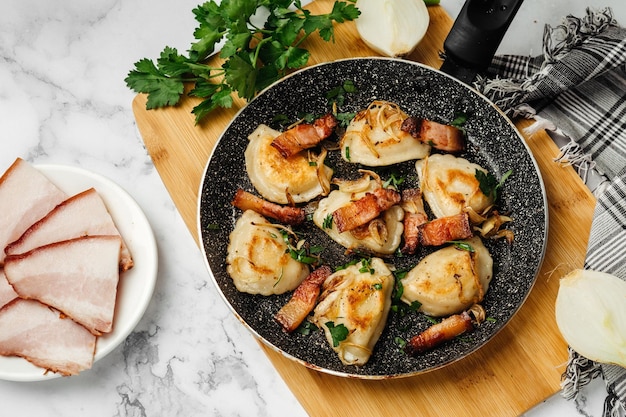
column 392, row 27
column 591, row 315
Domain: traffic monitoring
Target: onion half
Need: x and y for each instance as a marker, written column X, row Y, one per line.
column 392, row 27
column 591, row 315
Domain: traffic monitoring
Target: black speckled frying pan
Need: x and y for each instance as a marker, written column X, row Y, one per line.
column 493, row 142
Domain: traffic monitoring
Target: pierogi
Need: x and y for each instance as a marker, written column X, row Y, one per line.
column 283, row 180
column 374, row 137
column 445, row 282
column 449, row 280
column 384, row 243
column 449, row 185
column 359, row 298
column 258, row 258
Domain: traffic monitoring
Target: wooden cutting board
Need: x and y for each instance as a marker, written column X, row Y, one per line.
column 517, row 369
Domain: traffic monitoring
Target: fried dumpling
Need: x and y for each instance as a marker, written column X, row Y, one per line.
column 358, row 298
column 284, row 180
column 258, row 259
column 449, row 185
column 449, row 280
column 381, row 236
column 374, row 137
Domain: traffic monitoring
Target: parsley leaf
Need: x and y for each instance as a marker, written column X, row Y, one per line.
column 302, row 251
column 459, row 120
column 338, row 333
column 338, row 94
column 395, row 180
column 462, row 245
column 366, row 266
column 397, row 305
column 254, row 55
column 306, row 328
column 328, row 222
column 489, row 184
column 161, row 88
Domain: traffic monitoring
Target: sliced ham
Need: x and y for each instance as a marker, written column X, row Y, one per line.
column 42, row 336
column 26, row 195
column 7, row 293
column 84, row 214
column 78, row 277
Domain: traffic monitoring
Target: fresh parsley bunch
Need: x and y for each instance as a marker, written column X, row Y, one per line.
column 254, row 56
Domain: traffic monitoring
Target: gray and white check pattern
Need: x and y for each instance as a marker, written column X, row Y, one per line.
column 577, row 88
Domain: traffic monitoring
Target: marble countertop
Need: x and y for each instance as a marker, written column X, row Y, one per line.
column 63, row 101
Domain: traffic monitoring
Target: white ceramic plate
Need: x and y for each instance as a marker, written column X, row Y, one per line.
column 136, row 285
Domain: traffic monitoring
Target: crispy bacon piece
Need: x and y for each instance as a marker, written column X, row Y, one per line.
column 439, row 136
column 286, row 214
column 305, row 135
column 302, row 300
column 365, row 209
column 442, row 230
column 414, row 216
column 447, row 329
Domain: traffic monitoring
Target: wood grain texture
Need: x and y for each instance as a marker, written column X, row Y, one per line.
column 517, row 369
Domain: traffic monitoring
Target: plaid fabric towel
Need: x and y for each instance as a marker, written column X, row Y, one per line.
column 576, row 90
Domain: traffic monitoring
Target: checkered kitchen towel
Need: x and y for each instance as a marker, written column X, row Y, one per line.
column 577, row 90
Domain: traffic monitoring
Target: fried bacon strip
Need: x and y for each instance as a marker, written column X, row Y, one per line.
column 439, row 136
column 244, row 200
column 445, row 229
column 447, row 329
column 302, row 300
column 414, row 216
column 365, row 209
column 305, row 135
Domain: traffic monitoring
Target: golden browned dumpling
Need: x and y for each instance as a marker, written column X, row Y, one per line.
column 449, row 280
column 374, row 137
column 449, row 185
column 258, row 259
column 388, row 230
column 358, row 298
column 276, row 177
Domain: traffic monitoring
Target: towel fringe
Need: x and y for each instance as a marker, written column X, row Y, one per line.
column 540, row 124
column 579, row 372
column 612, row 406
column 572, row 154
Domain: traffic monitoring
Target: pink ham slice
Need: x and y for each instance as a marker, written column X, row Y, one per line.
column 42, row 336
column 83, row 214
column 26, row 195
column 7, row 293
column 79, row 277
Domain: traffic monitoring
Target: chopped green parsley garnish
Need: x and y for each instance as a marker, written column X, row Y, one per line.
column 338, row 333
column 489, row 184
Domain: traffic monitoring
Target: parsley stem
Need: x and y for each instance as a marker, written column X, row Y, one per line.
column 258, row 50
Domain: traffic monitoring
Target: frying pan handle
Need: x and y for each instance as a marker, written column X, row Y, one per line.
column 478, row 31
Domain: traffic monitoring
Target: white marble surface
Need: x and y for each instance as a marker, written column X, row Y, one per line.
column 63, row 101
